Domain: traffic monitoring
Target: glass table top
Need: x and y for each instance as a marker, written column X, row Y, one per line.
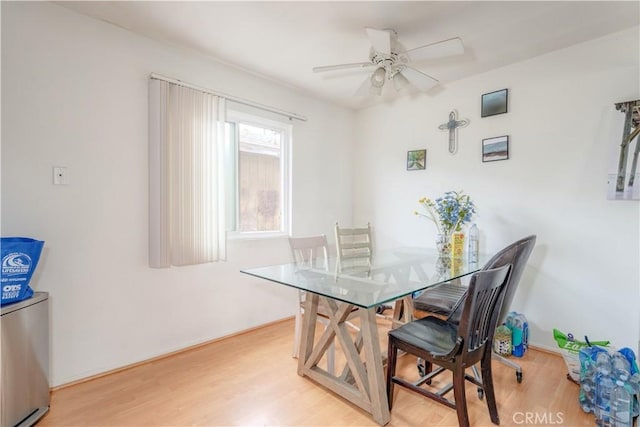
column 367, row 282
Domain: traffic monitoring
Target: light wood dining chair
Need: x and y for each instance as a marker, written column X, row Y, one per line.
column 312, row 252
column 354, row 248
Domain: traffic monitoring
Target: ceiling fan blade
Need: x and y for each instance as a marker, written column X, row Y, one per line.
column 419, row 79
column 341, row 66
column 380, row 40
column 363, row 90
column 441, row 49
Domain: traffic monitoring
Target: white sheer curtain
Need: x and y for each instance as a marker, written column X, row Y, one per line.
column 186, row 188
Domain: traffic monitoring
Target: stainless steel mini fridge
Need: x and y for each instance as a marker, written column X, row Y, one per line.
column 25, row 361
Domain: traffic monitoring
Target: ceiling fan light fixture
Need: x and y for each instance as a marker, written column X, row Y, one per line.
column 375, row 90
column 400, row 82
column 378, row 76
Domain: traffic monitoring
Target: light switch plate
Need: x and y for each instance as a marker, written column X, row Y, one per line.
column 60, row 175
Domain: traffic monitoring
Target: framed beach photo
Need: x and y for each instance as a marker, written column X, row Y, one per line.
column 494, row 149
column 416, row 160
column 494, row 103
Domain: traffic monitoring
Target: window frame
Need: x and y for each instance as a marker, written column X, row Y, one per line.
column 286, row 129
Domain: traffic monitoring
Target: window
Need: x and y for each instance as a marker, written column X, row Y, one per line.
column 258, row 181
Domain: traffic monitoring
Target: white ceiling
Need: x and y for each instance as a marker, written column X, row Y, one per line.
column 284, row 40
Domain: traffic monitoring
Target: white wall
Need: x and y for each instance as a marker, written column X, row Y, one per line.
column 74, row 93
column 582, row 276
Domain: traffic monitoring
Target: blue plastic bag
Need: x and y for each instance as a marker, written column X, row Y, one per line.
column 20, row 256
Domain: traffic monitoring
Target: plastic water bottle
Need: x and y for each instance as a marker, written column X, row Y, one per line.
column 634, row 383
column 604, row 387
column 519, row 333
column 474, row 243
column 509, row 322
column 588, row 387
column 621, row 406
column 603, row 362
column 621, row 369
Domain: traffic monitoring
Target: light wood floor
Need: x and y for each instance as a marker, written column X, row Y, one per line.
column 251, row 380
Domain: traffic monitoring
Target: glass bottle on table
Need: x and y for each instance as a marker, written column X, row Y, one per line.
column 474, row 244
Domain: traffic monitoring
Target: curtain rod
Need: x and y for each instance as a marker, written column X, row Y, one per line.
column 230, row 98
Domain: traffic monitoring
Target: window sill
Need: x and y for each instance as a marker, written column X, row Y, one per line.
column 234, row 235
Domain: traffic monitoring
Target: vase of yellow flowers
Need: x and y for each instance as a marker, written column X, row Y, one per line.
column 449, row 213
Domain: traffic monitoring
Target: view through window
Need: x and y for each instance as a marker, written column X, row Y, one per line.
column 261, row 188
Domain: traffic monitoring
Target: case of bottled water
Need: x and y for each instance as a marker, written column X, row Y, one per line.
column 607, row 386
column 519, row 333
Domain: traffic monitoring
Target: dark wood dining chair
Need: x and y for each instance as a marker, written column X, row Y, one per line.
column 446, row 300
column 454, row 346
column 516, row 254
column 440, row 300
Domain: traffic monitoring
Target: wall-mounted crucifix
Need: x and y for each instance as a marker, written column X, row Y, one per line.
column 452, row 126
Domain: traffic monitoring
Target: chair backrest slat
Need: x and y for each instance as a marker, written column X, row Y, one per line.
column 355, row 245
column 310, row 251
column 481, row 308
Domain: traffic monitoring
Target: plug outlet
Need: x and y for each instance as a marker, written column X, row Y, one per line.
column 60, row 175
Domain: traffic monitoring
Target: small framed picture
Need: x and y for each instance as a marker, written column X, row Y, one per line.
column 494, row 149
column 416, row 160
column 494, row 103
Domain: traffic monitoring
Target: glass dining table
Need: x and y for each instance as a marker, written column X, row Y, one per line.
column 362, row 285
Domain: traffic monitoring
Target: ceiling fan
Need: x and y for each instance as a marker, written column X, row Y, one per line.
column 391, row 60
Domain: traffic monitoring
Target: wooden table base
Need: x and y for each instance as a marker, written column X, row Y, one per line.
column 362, row 381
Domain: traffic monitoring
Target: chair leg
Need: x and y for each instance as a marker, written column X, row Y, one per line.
column 510, row 364
column 424, row 369
column 392, row 358
column 478, row 377
column 487, row 383
column 460, row 397
column 476, row 374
